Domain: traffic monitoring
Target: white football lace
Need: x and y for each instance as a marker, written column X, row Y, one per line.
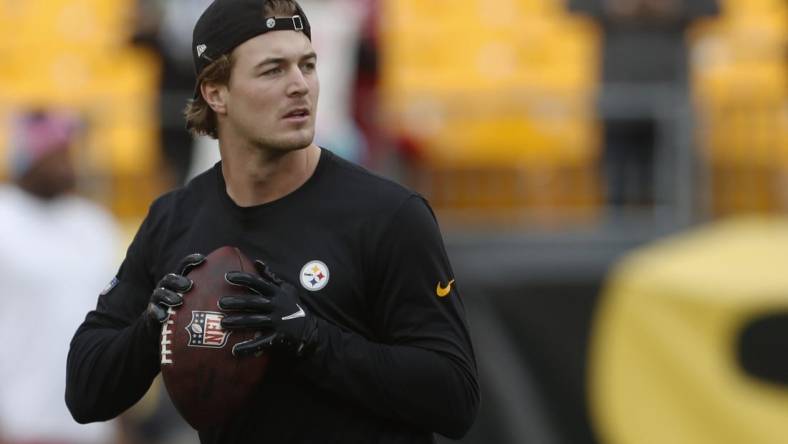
column 165, row 338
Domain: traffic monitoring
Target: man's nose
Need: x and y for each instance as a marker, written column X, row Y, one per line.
column 298, row 85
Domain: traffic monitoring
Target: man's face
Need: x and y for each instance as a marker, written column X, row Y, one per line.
column 272, row 95
column 52, row 175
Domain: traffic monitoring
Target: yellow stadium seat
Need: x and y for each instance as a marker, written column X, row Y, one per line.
column 66, row 23
column 500, row 97
column 740, row 85
column 75, row 54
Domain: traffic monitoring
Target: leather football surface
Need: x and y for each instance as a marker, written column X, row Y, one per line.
column 205, row 381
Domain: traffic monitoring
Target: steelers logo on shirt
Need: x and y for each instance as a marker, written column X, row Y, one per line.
column 314, row 275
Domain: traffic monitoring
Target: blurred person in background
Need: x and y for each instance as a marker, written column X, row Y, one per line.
column 337, row 26
column 366, row 86
column 644, row 63
column 165, row 27
column 55, row 252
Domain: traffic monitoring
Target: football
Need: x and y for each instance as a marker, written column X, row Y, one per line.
column 206, row 383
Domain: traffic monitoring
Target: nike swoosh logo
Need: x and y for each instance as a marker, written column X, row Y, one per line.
column 442, row 292
column 299, row 314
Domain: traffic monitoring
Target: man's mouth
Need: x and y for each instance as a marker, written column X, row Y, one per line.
column 297, row 113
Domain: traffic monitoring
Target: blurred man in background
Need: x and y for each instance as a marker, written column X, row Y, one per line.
column 337, row 28
column 644, row 72
column 56, row 250
column 165, row 27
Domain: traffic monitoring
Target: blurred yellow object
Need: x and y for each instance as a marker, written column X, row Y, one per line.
column 493, row 88
column 740, row 86
column 662, row 363
column 492, row 80
column 514, row 196
column 89, row 25
column 76, row 54
column 756, row 7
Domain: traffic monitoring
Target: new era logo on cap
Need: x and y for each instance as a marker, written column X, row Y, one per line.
column 225, row 24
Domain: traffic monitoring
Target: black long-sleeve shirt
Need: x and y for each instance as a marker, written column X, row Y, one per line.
column 394, row 360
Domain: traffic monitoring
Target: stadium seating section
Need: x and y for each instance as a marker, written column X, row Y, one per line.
column 740, row 80
column 75, row 54
column 498, row 96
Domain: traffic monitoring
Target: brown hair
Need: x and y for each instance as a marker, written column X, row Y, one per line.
column 200, row 117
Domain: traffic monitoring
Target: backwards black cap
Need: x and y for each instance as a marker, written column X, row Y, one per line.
column 226, row 24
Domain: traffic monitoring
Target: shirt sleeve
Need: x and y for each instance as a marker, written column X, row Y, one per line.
column 422, row 370
column 113, row 357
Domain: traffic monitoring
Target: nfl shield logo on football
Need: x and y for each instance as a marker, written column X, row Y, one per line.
column 205, row 330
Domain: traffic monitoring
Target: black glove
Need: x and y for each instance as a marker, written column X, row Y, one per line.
column 170, row 289
column 273, row 308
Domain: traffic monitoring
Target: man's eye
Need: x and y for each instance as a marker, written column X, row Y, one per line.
column 310, row 66
column 272, row 71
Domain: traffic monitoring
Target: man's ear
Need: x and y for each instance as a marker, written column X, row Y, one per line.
column 215, row 96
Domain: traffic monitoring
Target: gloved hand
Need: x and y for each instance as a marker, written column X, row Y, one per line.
column 274, row 308
column 170, row 289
